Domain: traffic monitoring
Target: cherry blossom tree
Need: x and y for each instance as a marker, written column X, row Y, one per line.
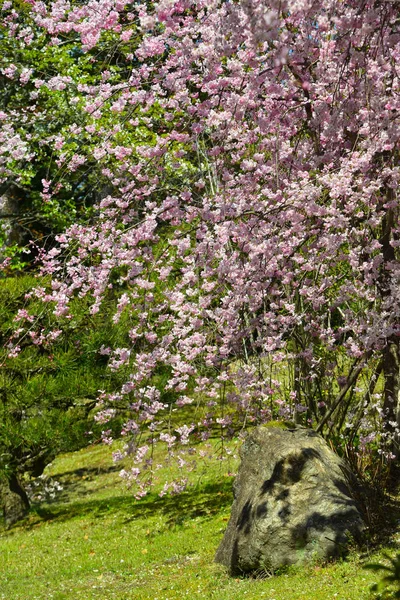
column 252, row 229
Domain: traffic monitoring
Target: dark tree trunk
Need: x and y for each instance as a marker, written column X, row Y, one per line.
column 391, row 397
column 391, row 352
column 10, row 209
column 14, row 501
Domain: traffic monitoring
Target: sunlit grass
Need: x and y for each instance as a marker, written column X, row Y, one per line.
column 95, row 541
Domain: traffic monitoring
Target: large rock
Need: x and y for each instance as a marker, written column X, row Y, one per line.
column 293, row 503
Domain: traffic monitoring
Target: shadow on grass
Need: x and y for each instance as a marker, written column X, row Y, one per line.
column 87, row 472
column 204, row 500
column 73, row 483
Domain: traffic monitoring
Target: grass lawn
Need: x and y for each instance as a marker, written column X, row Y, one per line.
column 95, row 541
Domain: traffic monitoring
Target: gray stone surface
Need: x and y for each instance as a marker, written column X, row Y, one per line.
column 293, row 503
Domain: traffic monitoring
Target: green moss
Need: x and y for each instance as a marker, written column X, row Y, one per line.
column 281, row 424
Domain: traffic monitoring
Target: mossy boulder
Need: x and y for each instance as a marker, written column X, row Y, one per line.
column 293, row 503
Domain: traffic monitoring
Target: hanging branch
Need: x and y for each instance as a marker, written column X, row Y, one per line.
column 351, row 380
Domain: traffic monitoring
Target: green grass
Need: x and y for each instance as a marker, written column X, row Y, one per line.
column 97, row 542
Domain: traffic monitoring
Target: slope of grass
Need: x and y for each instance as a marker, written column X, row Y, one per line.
column 97, row 542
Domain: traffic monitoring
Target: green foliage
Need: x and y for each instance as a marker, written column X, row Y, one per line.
column 389, row 585
column 48, row 391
